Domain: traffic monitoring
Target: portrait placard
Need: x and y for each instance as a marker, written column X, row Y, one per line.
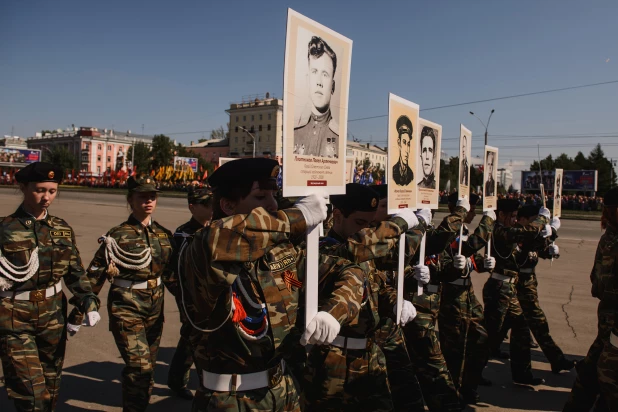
column 490, row 179
column 558, row 193
column 316, row 84
column 465, row 151
column 349, row 170
column 428, row 171
column 403, row 132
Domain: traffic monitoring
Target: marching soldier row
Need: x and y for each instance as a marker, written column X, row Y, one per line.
column 239, row 281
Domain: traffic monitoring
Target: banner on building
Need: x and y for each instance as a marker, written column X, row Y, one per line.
column 465, row 151
column 490, row 179
column 315, row 107
column 11, row 155
column 428, row 171
column 558, row 192
column 403, row 133
column 572, row 180
column 184, row 163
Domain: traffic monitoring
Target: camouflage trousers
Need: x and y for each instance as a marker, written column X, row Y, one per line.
column 136, row 321
column 405, row 389
column 463, row 337
column 537, row 322
column 180, row 367
column 431, row 370
column 502, row 305
column 586, row 387
column 282, row 397
column 339, row 379
column 32, row 347
column 607, row 372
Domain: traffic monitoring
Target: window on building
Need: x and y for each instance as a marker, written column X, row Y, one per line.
column 99, row 147
column 109, row 148
column 109, row 159
column 98, row 158
column 260, row 128
column 269, row 116
column 252, row 117
column 252, row 129
column 268, row 127
column 86, row 146
column 260, row 117
column 236, row 129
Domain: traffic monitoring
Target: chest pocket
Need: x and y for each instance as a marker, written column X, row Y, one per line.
column 63, row 253
column 18, row 253
column 166, row 247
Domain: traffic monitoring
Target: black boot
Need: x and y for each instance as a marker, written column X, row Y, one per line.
column 563, row 365
column 528, row 379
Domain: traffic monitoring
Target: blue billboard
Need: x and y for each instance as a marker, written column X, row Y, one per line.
column 573, row 180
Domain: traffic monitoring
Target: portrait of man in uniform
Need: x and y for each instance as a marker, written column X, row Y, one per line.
column 490, row 183
column 318, row 133
column 465, row 167
column 402, row 173
column 428, row 158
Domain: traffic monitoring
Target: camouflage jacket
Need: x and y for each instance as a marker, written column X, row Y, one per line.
column 472, row 243
column 252, row 258
column 362, row 248
column 505, row 240
column 527, row 254
column 605, row 269
column 59, row 257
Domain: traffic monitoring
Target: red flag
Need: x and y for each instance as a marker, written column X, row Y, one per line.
column 205, row 175
column 152, row 172
column 134, row 171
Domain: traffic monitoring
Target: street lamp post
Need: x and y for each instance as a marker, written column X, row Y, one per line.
column 485, row 126
column 252, row 137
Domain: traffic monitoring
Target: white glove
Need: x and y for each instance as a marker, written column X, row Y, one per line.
column 465, row 203
column 547, row 231
column 489, row 263
column 313, row 208
column 459, row 262
column 73, row 329
column 490, row 213
column 554, row 250
column 424, row 214
column 421, row 274
column 409, row 216
column 408, row 312
column 322, row 329
column 92, row 318
column 555, row 223
column 545, row 212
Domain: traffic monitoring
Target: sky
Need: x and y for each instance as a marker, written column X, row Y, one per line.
column 175, row 67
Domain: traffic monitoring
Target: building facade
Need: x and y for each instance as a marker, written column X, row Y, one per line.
column 212, row 150
column 259, row 117
column 366, row 154
column 98, row 151
column 505, row 177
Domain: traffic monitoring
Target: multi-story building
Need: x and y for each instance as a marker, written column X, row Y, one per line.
column 505, row 177
column 14, row 141
column 211, row 150
column 259, row 117
column 98, row 151
column 366, row 152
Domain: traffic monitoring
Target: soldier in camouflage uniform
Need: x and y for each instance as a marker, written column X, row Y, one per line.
column 463, row 337
column 527, row 255
column 245, row 292
column 200, row 205
column 351, row 373
column 135, row 257
column 38, row 251
column 499, row 294
column 594, row 376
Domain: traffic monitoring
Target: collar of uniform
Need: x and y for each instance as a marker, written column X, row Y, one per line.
column 321, row 118
column 28, row 220
column 137, row 225
column 193, row 225
column 334, row 235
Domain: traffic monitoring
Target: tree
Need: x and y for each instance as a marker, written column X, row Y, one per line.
column 598, row 161
column 581, row 162
column 564, row 162
column 62, row 157
column 162, row 151
column 45, row 131
column 220, row 133
column 143, row 157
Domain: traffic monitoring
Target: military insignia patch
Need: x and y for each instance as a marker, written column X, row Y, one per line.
column 374, row 202
column 282, row 263
column 275, row 172
column 161, row 235
column 61, row 233
column 51, row 174
column 291, row 280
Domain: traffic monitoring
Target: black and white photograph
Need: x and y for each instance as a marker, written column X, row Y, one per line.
column 402, row 172
column 428, row 166
column 490, row 176
column 465, row 150
column 490, row 183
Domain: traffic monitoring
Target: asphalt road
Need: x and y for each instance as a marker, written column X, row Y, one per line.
column 92, row 371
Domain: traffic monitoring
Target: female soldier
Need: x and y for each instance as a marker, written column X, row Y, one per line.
column 37, row 251
column 134, row 256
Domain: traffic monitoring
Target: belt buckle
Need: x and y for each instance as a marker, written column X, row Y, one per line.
column 275, row 375
column 37, row 295
column 152, row 283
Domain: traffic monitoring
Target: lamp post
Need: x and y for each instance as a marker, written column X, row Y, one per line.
column 252, row 137
column 485, row 126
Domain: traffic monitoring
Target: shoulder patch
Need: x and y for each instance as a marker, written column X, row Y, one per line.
column 282, row 263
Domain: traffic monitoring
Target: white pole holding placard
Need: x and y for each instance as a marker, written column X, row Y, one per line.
column 400, row 276
column 421, row 261
column 311, row 282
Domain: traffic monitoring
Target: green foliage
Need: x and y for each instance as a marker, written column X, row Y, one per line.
column 162, row 151
column 219, row 133
column 143, row 157
column 62, row 157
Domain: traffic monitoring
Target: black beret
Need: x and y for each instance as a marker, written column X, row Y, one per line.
column 611, row 197
column 357, row 198
column 508, row 205
column 404, row 125
column 243, row 171
column 381, row 190
column 143, row 183
column 199, row 196
column 454, row 197
column 39, row 172
column 528, row 211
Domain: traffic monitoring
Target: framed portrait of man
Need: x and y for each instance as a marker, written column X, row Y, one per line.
column 490, row 176
column 315, row 107
column 428, row 164
column 403, row 132
column 558, row 193
column 465, row 151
